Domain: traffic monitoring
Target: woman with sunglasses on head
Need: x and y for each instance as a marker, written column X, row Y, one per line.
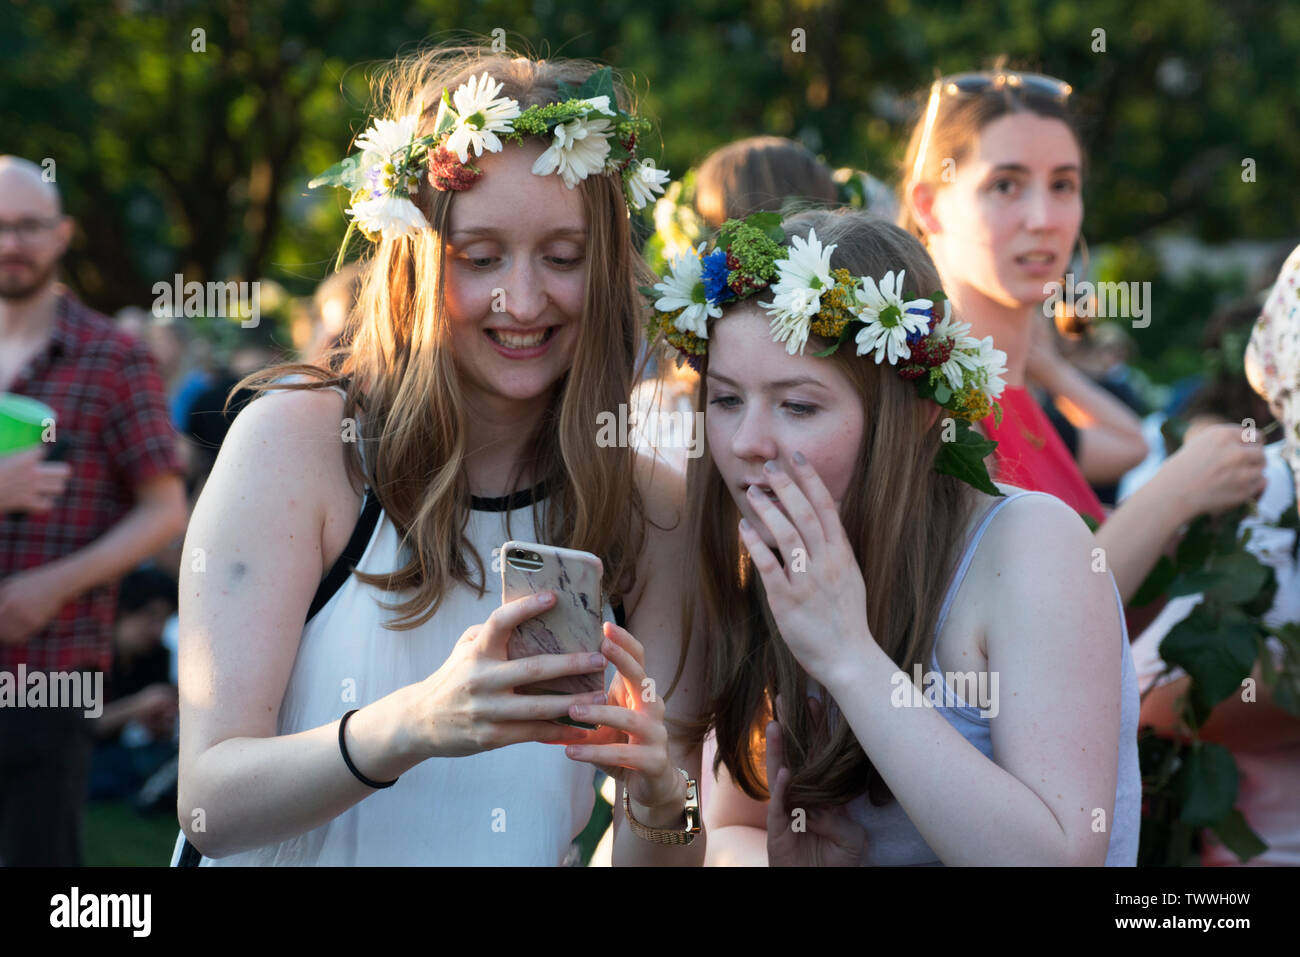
column 879, row 675
column 497, row 319
column 993, row 186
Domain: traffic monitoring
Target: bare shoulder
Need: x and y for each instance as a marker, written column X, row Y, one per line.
column 1038, row 555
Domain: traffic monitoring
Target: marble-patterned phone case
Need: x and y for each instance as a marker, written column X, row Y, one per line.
column 572, row 624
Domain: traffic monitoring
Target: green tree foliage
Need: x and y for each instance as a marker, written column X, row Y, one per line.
column 175, row 159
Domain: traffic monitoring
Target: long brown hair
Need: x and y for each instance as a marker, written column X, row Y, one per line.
column 399, row 371
column 902, row 518
column 956, row 128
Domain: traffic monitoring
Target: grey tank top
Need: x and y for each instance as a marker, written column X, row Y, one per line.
column 893, row 839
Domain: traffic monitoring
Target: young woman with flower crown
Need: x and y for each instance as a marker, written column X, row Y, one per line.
column 499, row 316
column 852, row 553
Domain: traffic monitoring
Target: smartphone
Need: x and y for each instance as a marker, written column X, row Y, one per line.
column 573, row 623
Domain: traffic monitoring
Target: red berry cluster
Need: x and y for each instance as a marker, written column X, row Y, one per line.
column 742, row 285
column 447, row 172
column 932, row 351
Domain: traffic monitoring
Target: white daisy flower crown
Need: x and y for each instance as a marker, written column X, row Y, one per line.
column 589, row 135
column 918, row 337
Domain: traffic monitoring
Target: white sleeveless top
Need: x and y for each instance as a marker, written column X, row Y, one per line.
column 519, row 805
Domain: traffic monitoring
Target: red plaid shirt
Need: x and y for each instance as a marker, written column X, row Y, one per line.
column 110, row 408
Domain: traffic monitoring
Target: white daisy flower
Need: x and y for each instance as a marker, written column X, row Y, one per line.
column 480, row 115
column 600, row 104
column 992, row 365
column 887, row 317
column 797, row 293
column 391, row 216
column 579, row 149
column 684, row 289
column 963, row 358
column 643, row 182
column 385, row 138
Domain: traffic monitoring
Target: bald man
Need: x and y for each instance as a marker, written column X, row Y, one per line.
column 60, row 561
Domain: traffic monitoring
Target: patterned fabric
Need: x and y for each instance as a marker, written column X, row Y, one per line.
column 111, row 411
column 1031, row 454
column 1274, row 349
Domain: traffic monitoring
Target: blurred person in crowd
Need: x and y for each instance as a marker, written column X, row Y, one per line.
column 331, row 310
column 214, row 409
column 28, row 483
column 182, row 358
column 992, row 183
column 761, row 174
column 59, row 567
column 1263, row 737
column 136, row 732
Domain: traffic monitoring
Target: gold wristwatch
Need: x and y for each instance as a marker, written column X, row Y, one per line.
column 658, row 835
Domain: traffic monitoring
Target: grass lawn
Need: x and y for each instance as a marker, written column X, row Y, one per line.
column 116, row 835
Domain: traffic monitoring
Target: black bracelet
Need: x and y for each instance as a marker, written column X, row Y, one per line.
column 348, row 761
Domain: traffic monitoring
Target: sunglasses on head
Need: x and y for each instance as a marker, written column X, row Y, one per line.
column 973, row 84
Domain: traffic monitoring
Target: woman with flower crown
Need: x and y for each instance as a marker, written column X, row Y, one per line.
column 499, row 316
column 904, row 663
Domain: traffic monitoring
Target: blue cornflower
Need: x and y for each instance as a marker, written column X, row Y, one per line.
column 714, row 274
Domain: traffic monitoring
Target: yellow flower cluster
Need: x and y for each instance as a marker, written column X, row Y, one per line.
column 687, row 342
column 835, row 305
column 972, row 404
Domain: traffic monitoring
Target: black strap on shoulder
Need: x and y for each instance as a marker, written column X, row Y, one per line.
column 189, row 855
column 344, row 565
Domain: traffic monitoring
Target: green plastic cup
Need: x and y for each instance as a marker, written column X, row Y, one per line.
column 22, row 422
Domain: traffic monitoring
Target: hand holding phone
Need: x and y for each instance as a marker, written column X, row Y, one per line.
column 572, row 624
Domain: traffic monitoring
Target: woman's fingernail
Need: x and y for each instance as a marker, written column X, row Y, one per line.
column 545, row 598
column 597, row 661
column 578, row 710
column 770, row 465
column 799, row 459
column 744, row 525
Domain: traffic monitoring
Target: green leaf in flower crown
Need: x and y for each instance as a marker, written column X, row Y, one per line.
column 942, row 392
column 767, row 223
column 1237, row 836
column 600, row 83
column 345, row 173
column 1215, row 645
column 845, row 334
column 1207, row 784
column 648, row 291
column 963, row 458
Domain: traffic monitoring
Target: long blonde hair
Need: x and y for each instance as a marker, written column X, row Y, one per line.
column 902, row 518
column 398, row 370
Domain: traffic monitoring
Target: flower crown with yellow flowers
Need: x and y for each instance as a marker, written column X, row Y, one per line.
column 918, row 337
column 589, row 135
